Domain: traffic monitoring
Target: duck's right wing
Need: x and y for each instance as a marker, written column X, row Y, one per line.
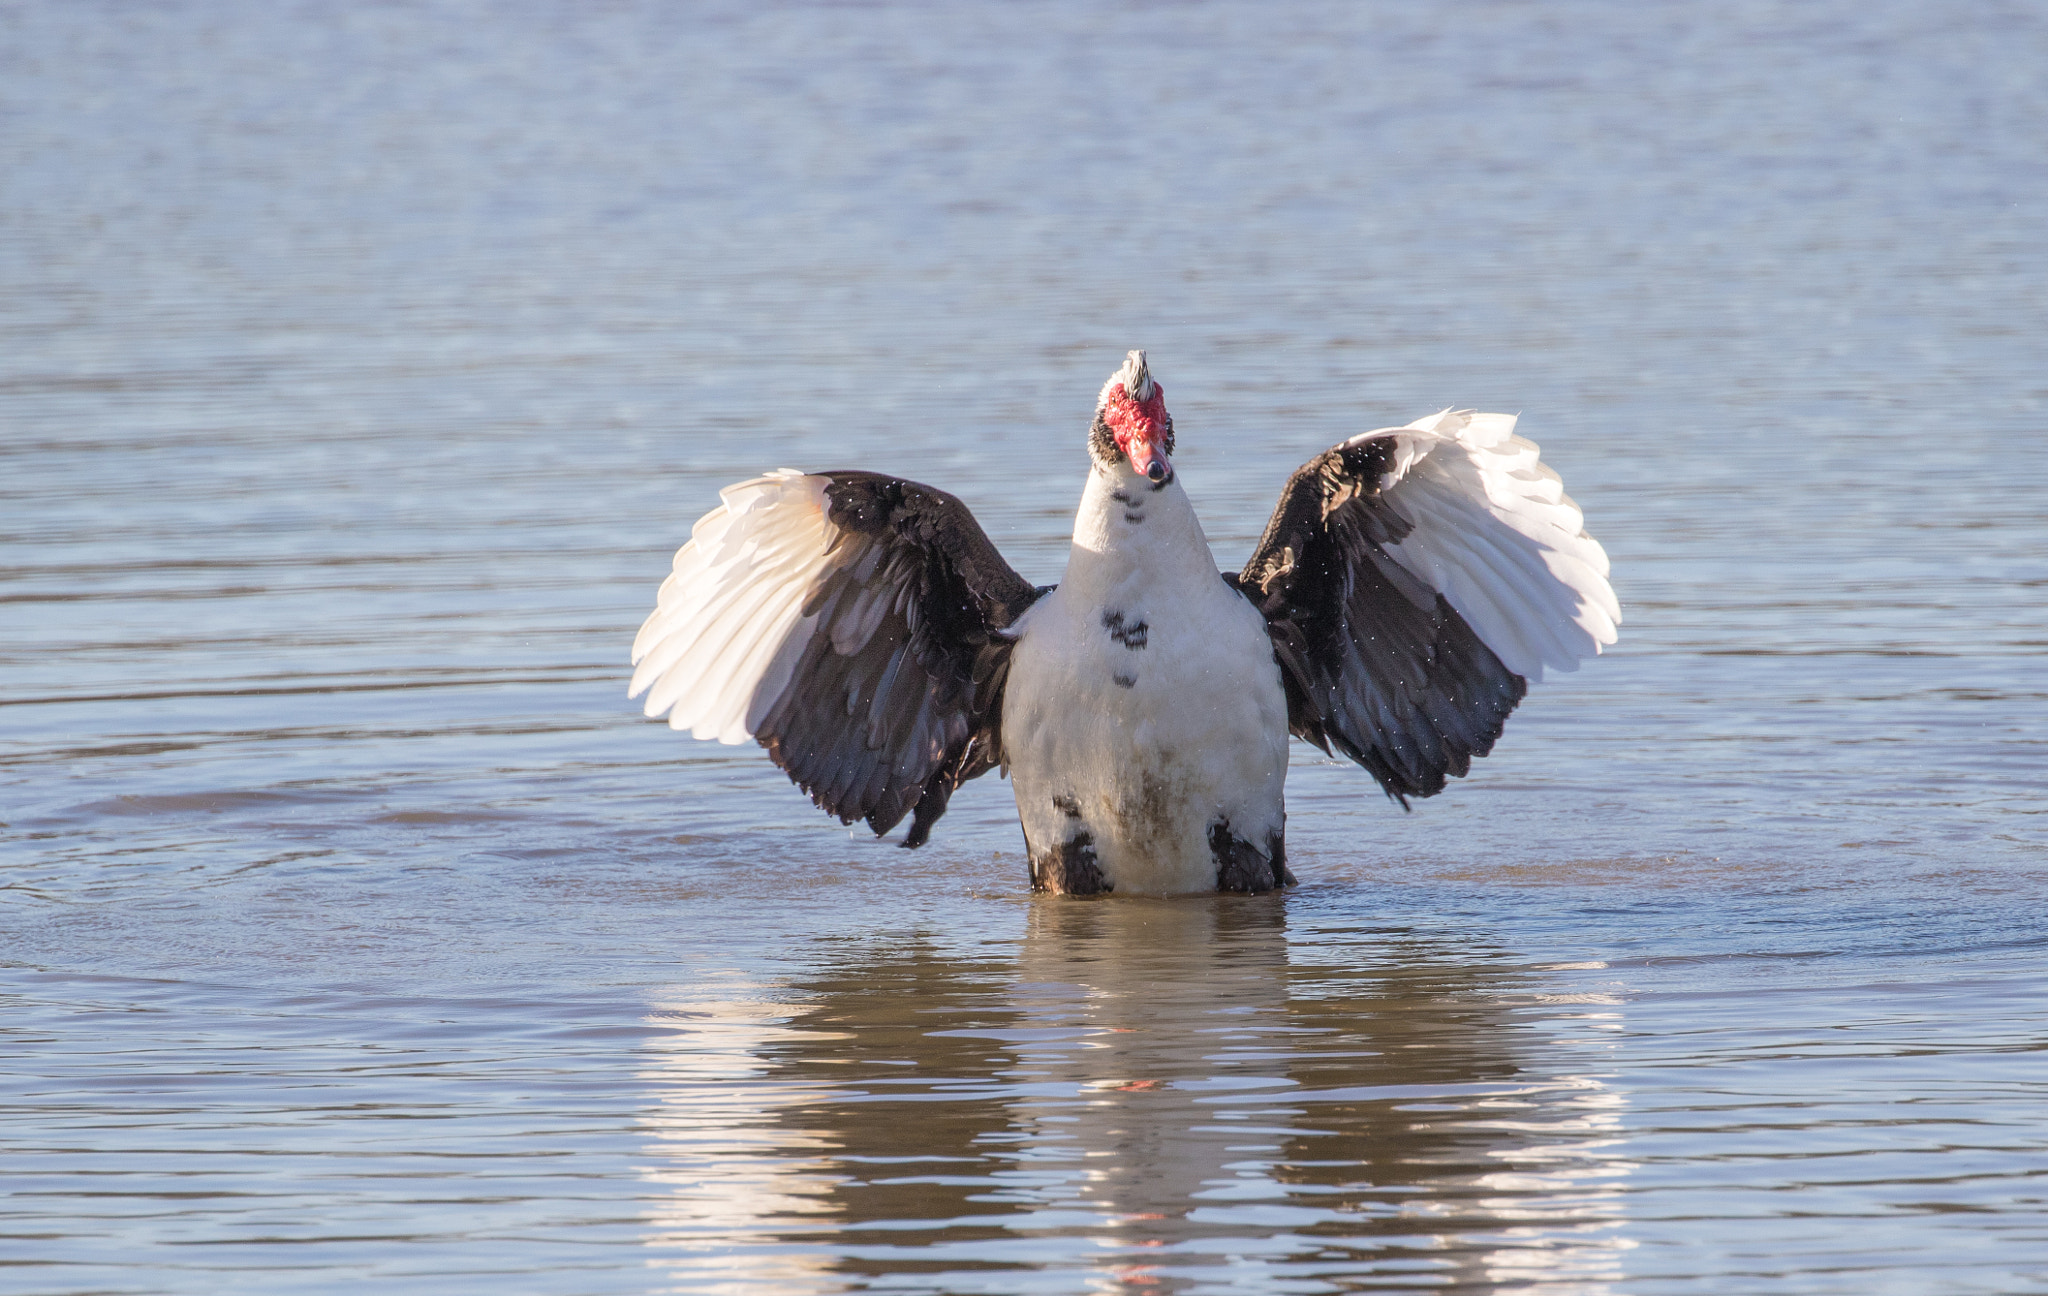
column 1414, row 581
column 849, row 622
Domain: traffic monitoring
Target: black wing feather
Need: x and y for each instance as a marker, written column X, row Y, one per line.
column 1376, row 663
column 906, row 716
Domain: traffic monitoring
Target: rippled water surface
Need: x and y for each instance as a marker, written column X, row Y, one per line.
column 361, row 366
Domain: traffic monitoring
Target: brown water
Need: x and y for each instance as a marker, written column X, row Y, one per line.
column 361, row 366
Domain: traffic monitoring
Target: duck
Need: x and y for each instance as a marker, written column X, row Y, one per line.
column 1411, row 584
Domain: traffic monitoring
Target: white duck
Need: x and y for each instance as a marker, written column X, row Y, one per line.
column 862, row 628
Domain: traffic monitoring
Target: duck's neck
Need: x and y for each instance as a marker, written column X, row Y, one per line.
column 1133, row 532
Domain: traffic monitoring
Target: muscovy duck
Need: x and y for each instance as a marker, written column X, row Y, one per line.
column 862, row 628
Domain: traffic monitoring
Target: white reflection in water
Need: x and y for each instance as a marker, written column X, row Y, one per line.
column 1161, row 1095
column 724, row 1173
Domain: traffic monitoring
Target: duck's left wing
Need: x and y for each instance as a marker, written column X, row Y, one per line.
column 850, row 623
column 1414, row 581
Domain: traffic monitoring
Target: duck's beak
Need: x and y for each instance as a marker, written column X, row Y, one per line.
column 1149, row 457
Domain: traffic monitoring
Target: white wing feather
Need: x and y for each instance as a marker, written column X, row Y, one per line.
column 728, row 625
column 1496, row 535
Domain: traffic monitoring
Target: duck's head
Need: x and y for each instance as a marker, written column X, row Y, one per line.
column 1131, row 422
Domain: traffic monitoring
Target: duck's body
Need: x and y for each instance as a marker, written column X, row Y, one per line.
column 1144, row 723
column 862, row 628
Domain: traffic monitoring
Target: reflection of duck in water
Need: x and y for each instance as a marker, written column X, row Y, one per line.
column 1412, row 582
column 1166, row 1085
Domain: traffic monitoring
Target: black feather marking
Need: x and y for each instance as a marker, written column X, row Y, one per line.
column 1241, row 866
column 1069, row 868
column 1122, row 680
column 1132, row 635
column 1102, row 444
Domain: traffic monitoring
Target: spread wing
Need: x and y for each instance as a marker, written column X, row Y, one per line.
column 848, row 622
column 1414, row 581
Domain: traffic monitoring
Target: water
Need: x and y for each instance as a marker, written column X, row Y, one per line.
column 361, row 366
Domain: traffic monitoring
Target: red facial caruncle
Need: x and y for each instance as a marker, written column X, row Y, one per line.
column 1142, row 428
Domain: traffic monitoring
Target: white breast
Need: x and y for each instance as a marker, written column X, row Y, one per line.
column 1144, row 706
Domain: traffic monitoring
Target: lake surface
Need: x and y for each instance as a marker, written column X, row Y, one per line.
column 361, row 367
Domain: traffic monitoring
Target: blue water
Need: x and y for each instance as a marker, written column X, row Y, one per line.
column 361, row 367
